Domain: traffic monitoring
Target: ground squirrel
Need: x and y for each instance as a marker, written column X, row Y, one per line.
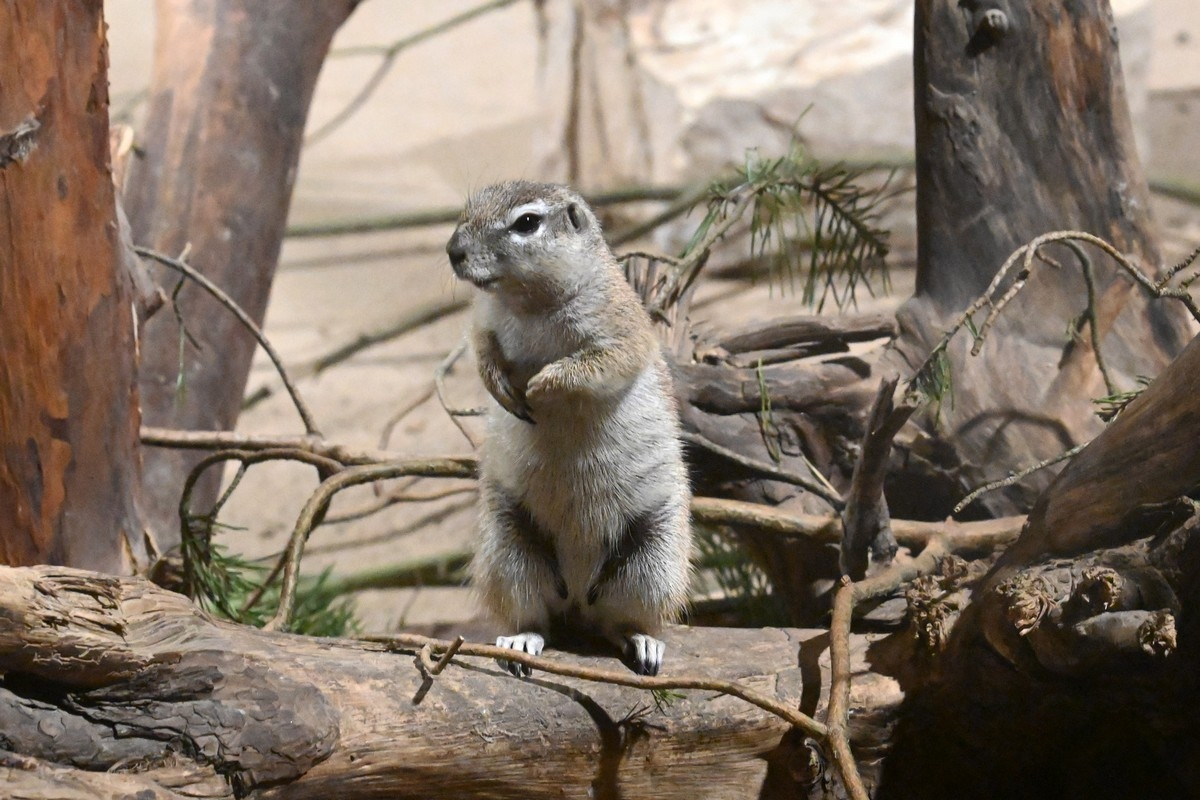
column 584, row 496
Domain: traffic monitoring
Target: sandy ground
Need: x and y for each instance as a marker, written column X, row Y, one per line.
column 455, row 113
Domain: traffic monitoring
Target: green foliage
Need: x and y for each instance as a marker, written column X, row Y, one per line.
column 223, row 583
column 665, row 698
column 1107, row 408
column 766, row 422
column 807, row 221
column 739, row 579
column 932, row 381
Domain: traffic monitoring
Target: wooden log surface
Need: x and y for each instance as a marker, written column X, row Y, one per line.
column 105, row 673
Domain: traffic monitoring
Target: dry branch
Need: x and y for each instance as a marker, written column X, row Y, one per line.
column 866, row 522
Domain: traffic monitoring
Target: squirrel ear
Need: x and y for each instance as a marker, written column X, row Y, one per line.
column 576, row 216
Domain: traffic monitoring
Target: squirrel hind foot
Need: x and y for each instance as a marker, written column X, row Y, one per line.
column 531, row 643
column 645, row 653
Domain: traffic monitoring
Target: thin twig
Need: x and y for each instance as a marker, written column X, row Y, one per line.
column 186, row 517
column 1017, row 476
column 689, row 266
column 1026, row 254
column 222, row 440
column 393, row 499
column 1091, row 315
column 821, row 490
column 660, row 257
column 414, row 526
column 444, row 661
column 389, row 58
column 429, row 670
column 439, row 382
column 310, row 425
column 405, row 642
column 1181, row 266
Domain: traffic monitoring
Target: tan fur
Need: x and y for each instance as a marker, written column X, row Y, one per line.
column 583, row 486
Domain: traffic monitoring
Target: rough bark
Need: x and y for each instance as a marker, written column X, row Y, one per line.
column 1084, row 666
column 108, row 674
column 229, row 95
column 1108, row 494
column 68, row 402
column 1022, row 128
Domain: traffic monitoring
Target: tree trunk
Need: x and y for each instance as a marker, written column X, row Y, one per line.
column 1022, row 128
column 68, row 404
column 117, row 674
column 229, row 96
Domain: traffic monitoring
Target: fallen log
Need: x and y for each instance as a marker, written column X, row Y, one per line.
column 133, row 685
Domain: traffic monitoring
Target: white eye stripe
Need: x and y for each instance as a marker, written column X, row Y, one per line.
column 539, row 207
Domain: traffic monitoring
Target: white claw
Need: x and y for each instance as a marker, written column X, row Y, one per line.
column 531, row 643
column 647, row 653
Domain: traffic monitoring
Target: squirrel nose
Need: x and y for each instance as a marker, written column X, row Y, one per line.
column 456, row 251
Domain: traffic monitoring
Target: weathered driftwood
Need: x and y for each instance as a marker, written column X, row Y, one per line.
column 68, row 407
column 104, row 673
column 229, row 96
column 815, row 426
column 1023, row 128
column 866, row 522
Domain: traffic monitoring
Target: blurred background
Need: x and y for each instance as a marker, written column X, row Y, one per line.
column 673, row 93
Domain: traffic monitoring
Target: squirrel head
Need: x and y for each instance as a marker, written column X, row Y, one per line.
column 527, row 240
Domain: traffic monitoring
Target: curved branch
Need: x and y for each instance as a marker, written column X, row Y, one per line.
column 310, row 425
column 319, row 501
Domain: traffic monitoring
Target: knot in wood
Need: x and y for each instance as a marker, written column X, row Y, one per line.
column 1157, row 634
column 991, row 23
column 1027, row 601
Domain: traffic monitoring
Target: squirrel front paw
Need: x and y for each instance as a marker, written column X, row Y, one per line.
column 545, row 384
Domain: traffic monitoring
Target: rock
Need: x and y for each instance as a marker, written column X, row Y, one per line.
column 639, row 91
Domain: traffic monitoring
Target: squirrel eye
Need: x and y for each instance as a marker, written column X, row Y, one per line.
column 526, row 224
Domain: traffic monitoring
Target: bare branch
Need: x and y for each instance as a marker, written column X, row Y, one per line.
column 221, row 440
column 1017, row 476
column 318, row 502
column 310, row 425
column 913, row 534
column 847, row 596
